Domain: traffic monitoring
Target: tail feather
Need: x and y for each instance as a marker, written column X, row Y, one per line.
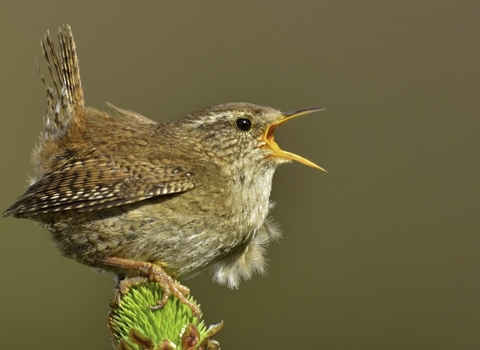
column 65, row 96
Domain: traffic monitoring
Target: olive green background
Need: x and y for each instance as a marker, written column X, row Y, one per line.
column 380, row 253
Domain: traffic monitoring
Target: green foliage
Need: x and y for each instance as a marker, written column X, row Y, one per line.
column 135, row 326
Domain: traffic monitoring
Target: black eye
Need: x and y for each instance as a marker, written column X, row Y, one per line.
column 243, row 124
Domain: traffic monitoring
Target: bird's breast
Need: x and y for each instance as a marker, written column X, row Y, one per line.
column 249, row 198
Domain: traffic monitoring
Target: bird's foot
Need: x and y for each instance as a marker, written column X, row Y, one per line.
column 153, row 273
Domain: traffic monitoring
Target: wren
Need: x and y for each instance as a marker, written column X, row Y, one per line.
column 153, row 201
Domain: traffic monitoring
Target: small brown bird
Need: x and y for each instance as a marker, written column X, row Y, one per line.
column 151, row 201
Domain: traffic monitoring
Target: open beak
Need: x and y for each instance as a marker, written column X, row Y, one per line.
column 267, row 136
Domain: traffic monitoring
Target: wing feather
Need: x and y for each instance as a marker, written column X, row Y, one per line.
column 89, row 187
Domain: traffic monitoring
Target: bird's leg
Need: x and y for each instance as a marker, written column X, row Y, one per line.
column 154, row 273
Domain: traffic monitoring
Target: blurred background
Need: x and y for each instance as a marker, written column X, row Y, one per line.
column 380, row 253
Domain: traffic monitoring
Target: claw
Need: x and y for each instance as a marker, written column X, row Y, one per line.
column 154, row 273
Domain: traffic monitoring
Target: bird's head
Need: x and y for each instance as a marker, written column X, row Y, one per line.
column 243, row 133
